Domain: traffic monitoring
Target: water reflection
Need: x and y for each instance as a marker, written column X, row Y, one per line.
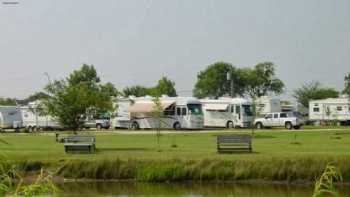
column 103, row 189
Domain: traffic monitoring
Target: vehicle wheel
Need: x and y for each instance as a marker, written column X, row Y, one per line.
column 230, row 125
column 288, row 125
column 135, row 126
column 98, row 127
column 296, row 127
column 259, row 125
column 177, row 126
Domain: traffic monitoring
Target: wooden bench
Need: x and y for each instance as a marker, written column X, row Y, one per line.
column 234, row 143
column 79, row 143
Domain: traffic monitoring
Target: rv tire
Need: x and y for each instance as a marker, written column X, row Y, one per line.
column 177, row 126
column 135, row 126
column 98, row 127
column 230, row 125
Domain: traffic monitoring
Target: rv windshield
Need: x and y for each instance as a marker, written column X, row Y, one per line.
column 247, row 110
column 195, row 109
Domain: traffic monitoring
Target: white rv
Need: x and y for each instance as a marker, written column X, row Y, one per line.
column 330, row 109
column 227, row 112
column 32, row 119
column 10, row 117
column 266, row 104
column 179, row 113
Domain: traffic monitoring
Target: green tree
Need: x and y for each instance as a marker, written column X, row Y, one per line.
column 69, row 99
column 313, row 91
column 261, row 80
column 8, row 101
column 164, row 87
column 347, row 84
column 213, row 80
column 135, row 91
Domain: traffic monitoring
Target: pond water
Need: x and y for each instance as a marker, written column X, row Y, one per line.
column 110, row 189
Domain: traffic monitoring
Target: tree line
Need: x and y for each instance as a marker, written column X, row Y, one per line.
column 70, row 98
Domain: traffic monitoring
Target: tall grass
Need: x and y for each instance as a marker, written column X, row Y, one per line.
column 325, row 184
column 289, row 170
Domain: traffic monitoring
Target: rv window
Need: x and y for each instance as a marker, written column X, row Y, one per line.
column 178, row 111
column 184, row 111
column 316, row 104
column 238, row 109
column 275, row 115
column 195, row 109
column 232, row 108
column 170, row 111
column 247, row 110
column 339, row 108
column 316, row 109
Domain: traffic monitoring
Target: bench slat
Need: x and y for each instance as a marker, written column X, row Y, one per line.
column 234, row 143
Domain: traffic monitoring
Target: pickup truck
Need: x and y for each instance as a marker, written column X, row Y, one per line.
column 97, row 123
column 289, row 120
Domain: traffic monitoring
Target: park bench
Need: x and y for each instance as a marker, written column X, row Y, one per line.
column 234, row 143
column 81, row 143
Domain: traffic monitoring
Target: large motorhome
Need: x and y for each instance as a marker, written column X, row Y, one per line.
column 32, row 119
column 178, row 113
column 10, row 117
column 227, row 112
column 337, row 109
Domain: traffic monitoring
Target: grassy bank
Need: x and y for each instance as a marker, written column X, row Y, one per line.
column 289, row 170
column 279, row 155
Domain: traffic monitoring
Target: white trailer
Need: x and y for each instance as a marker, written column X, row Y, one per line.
column 266, row 104
column 32, row 119
column 330, row 109
column 10, row 118
column 227, row 112
column 179, row 113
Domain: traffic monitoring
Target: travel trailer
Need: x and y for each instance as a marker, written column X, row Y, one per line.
column 32, row 120
column 337, row 109
column 227, row 112
column 10, row 117
column 179, row 113
column 266, row 104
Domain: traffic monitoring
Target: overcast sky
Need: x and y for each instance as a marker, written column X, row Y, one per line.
column 136, row 42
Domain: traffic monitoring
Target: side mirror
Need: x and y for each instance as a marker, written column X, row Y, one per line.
column 266, row 117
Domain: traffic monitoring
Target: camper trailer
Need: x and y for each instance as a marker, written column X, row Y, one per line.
column 32, row 119
column 10, row 117
column 178, row 113
column 227, row 112
column 266, row 104
column 331, row 109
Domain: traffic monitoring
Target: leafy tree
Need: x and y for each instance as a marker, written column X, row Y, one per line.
column 69, row 99
column 164, row 87
column 347, row 85
column 8, row 101
column 255, row 82
column 313, row 91
column 135, row 91
column 261, row 80
column 213, row 80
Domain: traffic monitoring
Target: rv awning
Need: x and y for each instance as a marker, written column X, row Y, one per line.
column 216, row 107
column 147, row 107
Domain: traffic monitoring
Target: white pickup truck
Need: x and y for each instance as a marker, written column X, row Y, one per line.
column 289, row 120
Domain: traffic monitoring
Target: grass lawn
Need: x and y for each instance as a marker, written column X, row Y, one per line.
column 314, row 142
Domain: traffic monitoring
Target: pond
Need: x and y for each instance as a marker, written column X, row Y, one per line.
column 113, row 189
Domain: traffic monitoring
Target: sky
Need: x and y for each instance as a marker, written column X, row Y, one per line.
column 138, row 41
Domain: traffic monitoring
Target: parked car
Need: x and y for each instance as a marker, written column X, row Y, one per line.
column 97, row 123
column 289, row 120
